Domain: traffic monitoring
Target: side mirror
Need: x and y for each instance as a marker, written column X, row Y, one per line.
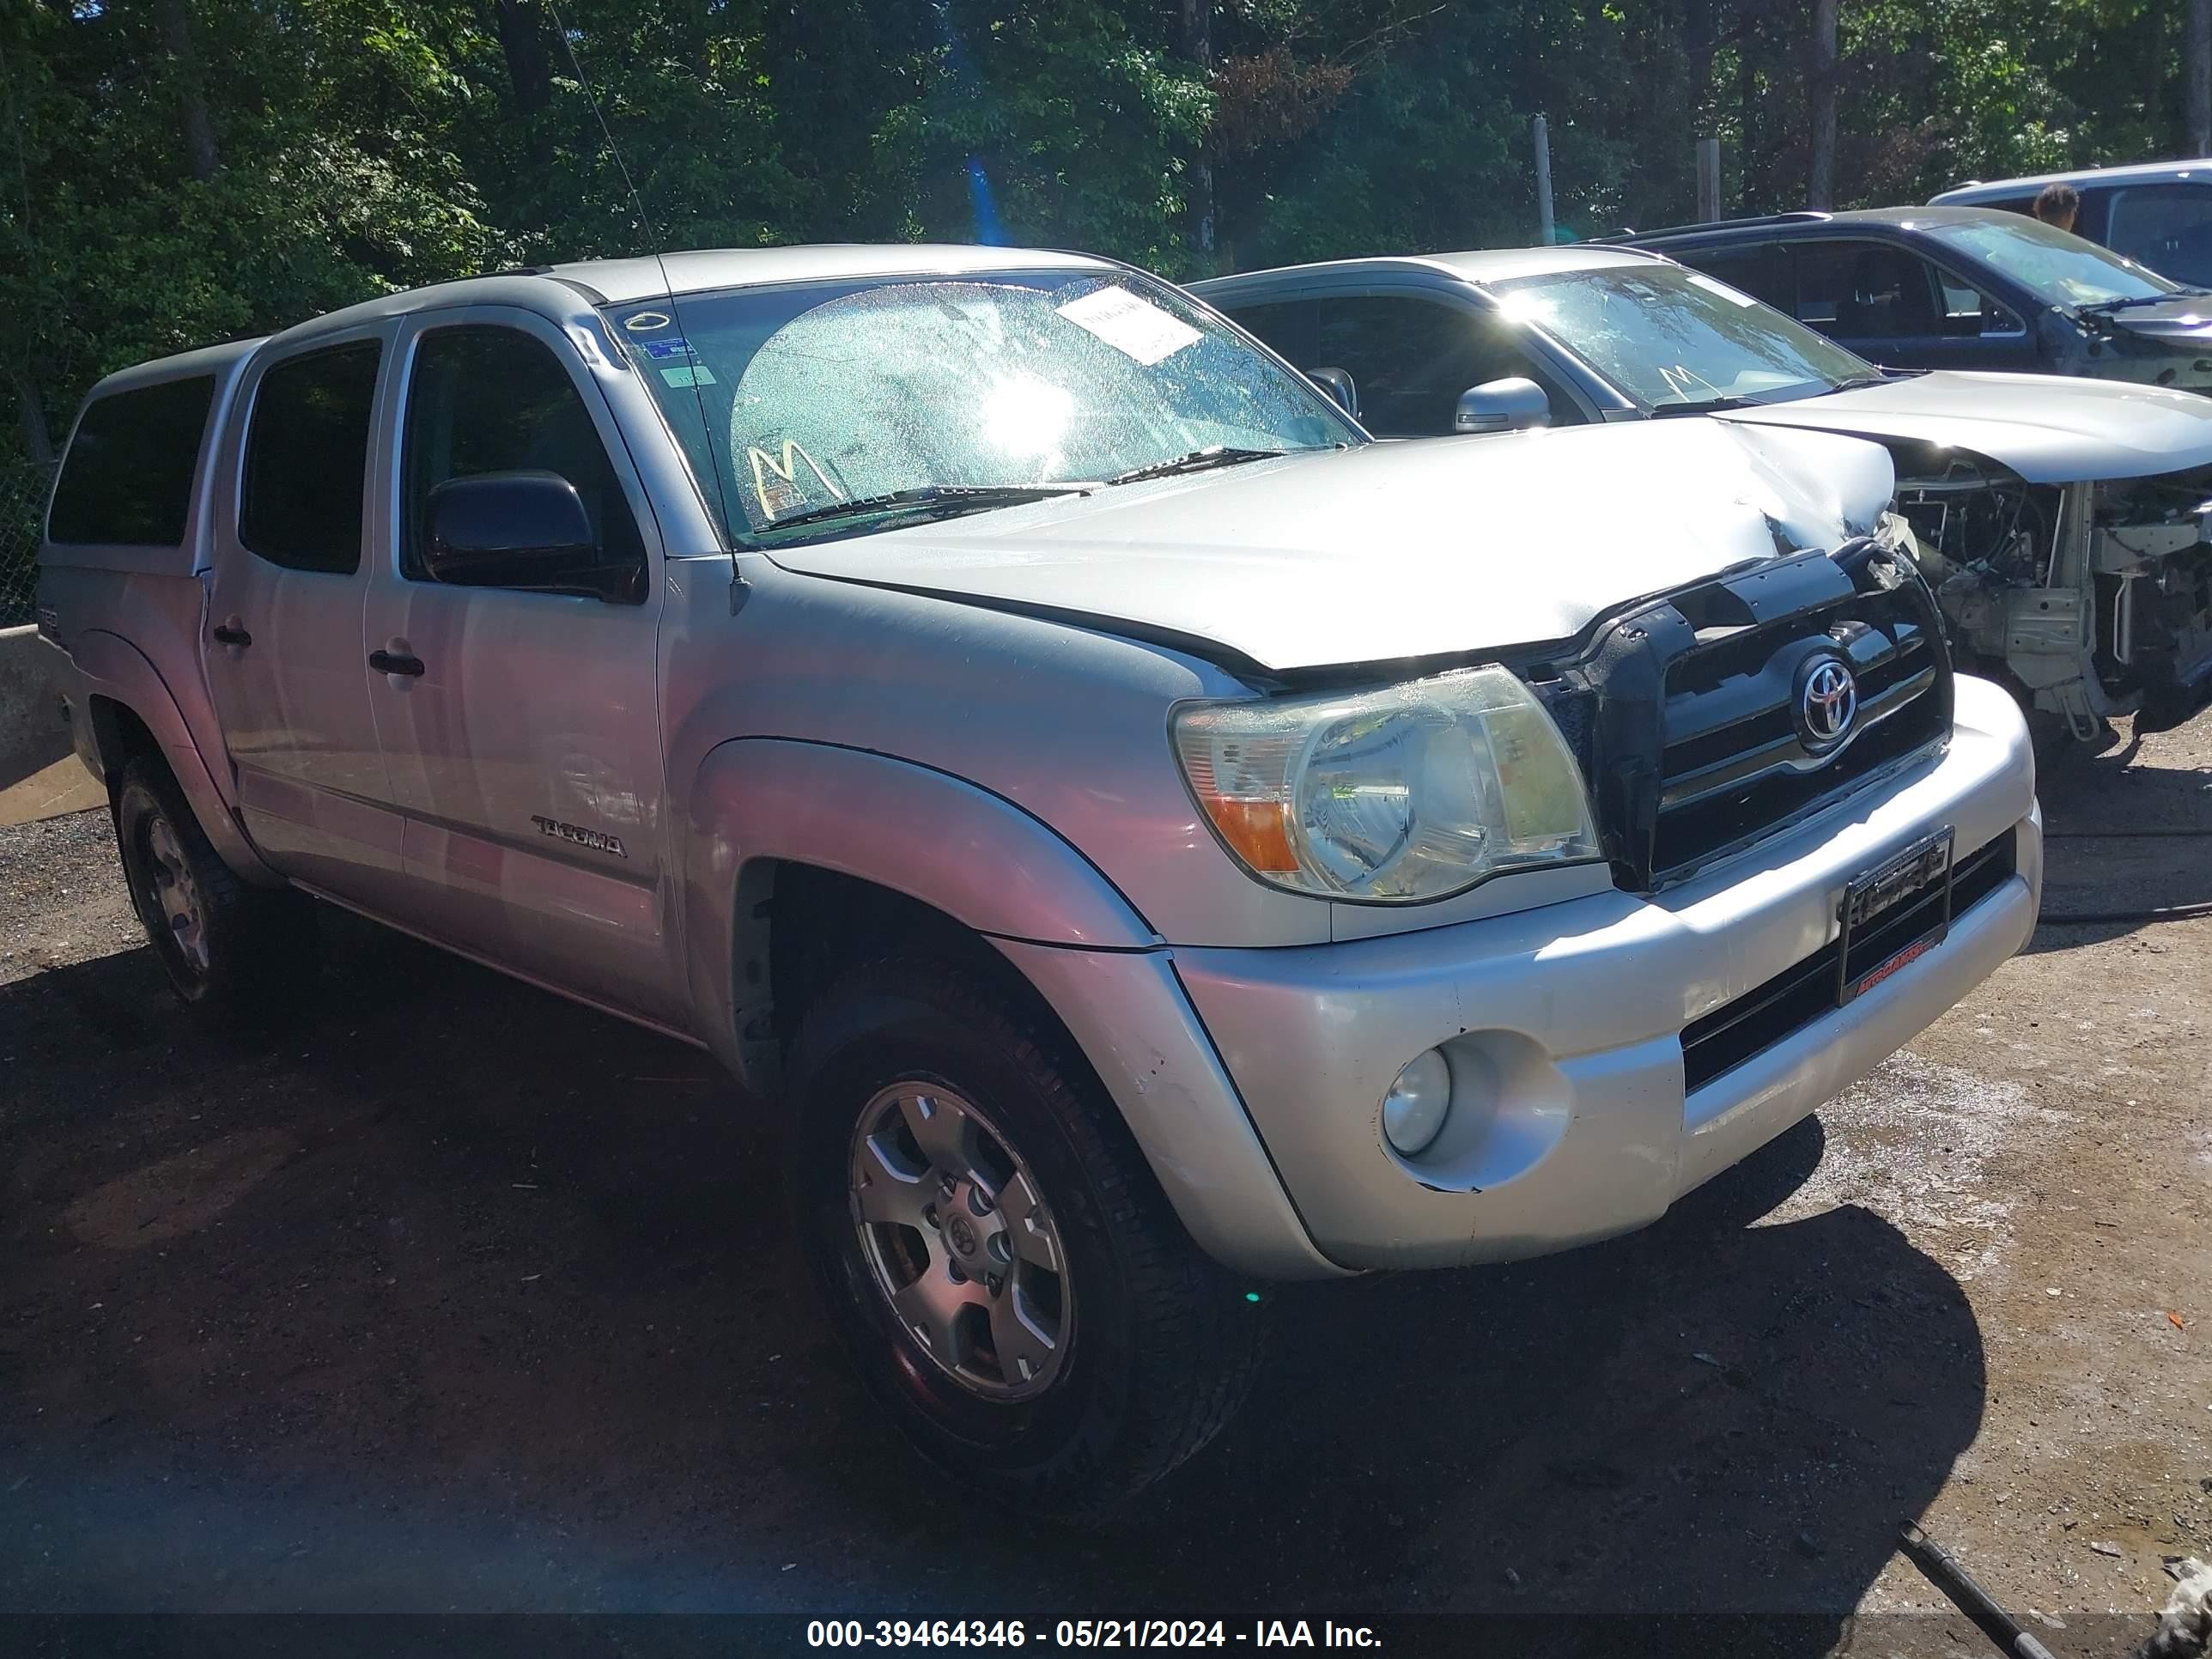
column 1507, row 405
column 1338, row 384
column 513, row 530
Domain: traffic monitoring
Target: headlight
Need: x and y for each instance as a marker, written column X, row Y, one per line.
column 1415, row 792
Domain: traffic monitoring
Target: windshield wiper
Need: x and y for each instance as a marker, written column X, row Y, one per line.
column 936, row 500
column 1860, row 382
column 2106, row 307
column 1704, row 406
column 1197, row 461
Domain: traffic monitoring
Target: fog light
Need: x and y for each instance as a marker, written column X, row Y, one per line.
column 1413, row 1111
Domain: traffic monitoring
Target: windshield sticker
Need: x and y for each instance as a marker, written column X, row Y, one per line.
column 674, row 347
column 778, row 485
column 685, row 375
column 1130, row 324
column 1714, row 285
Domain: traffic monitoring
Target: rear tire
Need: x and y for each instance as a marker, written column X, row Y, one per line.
column 1067, row 1388
column 232, row 953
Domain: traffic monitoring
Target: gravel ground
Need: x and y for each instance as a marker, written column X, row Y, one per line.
column 456, row 1299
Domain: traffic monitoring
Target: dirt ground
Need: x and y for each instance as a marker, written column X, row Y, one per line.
column 457, row 1299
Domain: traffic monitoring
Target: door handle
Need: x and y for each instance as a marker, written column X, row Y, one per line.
column 393, row 662
column 226, row 634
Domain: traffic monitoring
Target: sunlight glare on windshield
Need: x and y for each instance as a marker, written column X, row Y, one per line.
column 1024, row 415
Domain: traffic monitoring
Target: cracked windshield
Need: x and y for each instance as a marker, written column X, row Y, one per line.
column 826, row 409
column 1667, row 335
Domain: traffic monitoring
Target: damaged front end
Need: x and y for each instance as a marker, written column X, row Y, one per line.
column 2092, row 598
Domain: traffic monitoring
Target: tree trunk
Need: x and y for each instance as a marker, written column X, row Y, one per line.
column 529, row 63
column 1198, row 46
column 2196, row 52
column 1697, row 54
column 176, row 26
column 529, row 70
column 1821, row 170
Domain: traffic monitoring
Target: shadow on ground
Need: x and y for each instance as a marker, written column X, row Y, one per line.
column 456, row 1297
column 2099, row 799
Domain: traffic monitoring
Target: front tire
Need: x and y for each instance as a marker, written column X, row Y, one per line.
column 993, row 1250
column 232, row 953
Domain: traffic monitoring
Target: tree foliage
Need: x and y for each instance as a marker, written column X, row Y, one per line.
column 179, row 171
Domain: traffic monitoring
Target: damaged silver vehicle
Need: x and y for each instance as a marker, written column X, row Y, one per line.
column 2062, row 522
column 1144, row 837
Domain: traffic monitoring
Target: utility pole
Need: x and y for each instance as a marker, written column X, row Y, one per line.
column 2197, row 50
column 1198, row 46
column 1820, row 181
column 1542, row 135
column 1709, row 178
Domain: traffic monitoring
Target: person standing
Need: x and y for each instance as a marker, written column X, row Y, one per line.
column 2057, row 205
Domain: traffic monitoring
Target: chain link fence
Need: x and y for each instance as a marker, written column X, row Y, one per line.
column 23, row 489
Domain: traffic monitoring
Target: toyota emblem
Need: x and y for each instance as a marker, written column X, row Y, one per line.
column 1828, row 702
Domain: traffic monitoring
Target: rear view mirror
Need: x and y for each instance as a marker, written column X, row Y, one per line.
column 1338, row 384
column 516, row 530
column 1507, row 405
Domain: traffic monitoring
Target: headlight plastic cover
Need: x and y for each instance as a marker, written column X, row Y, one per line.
column 1409, row 793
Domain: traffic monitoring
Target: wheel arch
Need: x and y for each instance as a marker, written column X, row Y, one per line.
column 132, row 711
column 841, row 842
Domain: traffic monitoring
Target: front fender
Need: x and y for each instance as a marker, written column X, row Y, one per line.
column 108, row 666
column 1009, row 877
column 978, row 857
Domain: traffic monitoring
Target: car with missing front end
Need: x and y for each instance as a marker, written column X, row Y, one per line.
column 1150, row 838
column 1959, row 287
column 2065, row 524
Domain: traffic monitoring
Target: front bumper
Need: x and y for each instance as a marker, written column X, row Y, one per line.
column 1571, row 1120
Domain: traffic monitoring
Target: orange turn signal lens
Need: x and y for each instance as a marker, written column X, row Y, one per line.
column 1257, row 831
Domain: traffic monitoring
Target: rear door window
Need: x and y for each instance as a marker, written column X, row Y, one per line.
column 1866, row 291
column 128, row 479
column 306, row 458
column 1761, row 271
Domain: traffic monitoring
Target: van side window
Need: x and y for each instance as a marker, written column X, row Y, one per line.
column 128, row 479
column 306, row 458
column 2165, row 227
column 488, row 399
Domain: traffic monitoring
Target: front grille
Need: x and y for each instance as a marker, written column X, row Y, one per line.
column 1798, row 995
column 1685, row 713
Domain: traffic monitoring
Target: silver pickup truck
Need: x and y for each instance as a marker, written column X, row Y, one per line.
column 1151, row 838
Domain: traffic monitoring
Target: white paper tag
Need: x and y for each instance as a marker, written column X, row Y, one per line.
column 1130, row 324
column 1714, row 285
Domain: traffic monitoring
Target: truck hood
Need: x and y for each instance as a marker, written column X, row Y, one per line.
column 1391, row 550
column 2047, row 429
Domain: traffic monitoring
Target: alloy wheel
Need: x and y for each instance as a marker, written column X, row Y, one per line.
column 960, row 1242
column 172, row 894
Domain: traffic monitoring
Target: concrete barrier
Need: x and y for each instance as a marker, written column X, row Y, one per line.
column 32, row 733
column 38, row 774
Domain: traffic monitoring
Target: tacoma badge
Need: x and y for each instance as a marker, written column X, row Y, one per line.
column 598, row 840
